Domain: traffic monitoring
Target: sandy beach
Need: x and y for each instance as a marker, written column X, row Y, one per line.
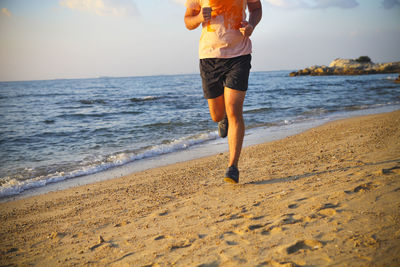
column 329, row 196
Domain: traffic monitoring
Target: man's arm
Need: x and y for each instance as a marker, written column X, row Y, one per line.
column 195, row 17
column 255, row 15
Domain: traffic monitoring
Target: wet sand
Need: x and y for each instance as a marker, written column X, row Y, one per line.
column 328, row 196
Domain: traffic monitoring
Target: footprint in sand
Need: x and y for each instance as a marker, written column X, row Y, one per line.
column 327, row 212
column 255, row 226
column 279, row 264
column 256, row 218
column 329, row 206
column 231, row 243
column 328, row 209
column 273, row 230
column 230, row 238
column 363, row 188
column 231, row 217
column 211, row 264
column 181, row 244
column 256, row 204
column 296, row 203
column 160, row 237
column 247, row 229
column 307, row 244
column 290, row 218
column 163, row 213
column 395, row 169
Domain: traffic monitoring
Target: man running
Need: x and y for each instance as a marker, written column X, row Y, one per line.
column 225, row 57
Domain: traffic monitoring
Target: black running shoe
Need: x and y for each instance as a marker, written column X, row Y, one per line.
column 223, row 127
column 232, row 175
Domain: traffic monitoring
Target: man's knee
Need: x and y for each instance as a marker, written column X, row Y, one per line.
column 234, row 112
column 217, row 116
column 235, row 117
column 234, row 102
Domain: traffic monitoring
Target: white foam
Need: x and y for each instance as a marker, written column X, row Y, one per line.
column 15, row 187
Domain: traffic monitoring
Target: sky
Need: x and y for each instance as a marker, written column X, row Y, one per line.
column 66, row 39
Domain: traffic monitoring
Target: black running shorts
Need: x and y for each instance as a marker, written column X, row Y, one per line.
column 218, row 73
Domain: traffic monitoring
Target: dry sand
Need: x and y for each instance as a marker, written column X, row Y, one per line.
column 328, row 196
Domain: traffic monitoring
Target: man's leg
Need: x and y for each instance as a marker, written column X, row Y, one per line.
column 217, row 108
column 234, row 110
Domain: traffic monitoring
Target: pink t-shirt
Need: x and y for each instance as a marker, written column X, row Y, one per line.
column 221, row 38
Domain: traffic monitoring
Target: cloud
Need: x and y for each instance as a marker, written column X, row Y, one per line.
column 182, row 2
column 119, row 8
column 336, row 3
column 388, row 4
column 287, row 3
column 293, row 4
column 6, row 12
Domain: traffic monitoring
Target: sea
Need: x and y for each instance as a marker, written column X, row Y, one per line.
column 54, row 131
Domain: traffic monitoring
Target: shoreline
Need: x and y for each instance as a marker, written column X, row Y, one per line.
column 327, row 196
column 253, row 136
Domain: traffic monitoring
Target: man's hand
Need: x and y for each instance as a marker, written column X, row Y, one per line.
column 246, row 29
column 195, row 17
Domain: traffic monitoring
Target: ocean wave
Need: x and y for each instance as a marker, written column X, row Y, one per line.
column 167, row 124
column 370, row 106
column 257, row 110
column 145, row 98
column 14, row 186
column 44, row 95
column 83, row 115
column 315, row 111
column 129, row 112
column 391, row 78
column 263, row 125
column 92, row 101
column 384, row 87
column 356, row 107
column 78, row 116
column 322, row 111
column 49, row 121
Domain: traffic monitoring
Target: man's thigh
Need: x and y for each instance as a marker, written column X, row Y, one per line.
column 217, row 108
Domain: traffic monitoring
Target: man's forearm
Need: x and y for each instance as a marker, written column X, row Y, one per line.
column 255, row 16
column 192, row 19
column 192, row 22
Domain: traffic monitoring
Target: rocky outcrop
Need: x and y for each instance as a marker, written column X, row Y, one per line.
column 350, row 67
column 398, row 79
